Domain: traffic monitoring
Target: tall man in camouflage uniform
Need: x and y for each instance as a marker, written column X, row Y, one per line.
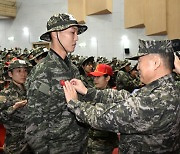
column 13, row 109
column 148, row 119
column 51, row 128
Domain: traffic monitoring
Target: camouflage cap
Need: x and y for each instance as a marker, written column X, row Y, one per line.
column 87, row 60
column 153, row 46
column 133, row 67
column 38, row 51
column 60, row 22
column 5, row 53
column 17, row 63
column 124, row 64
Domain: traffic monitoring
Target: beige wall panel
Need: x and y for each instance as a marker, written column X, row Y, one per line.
column 77, row 9
column 98, row 7
column 155, row 17
column 7, row 11
column 8, row 2
column 173, row 18
column 133, row 13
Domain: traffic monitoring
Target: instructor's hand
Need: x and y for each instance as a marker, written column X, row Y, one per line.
column 70, row 92
column 79, row 86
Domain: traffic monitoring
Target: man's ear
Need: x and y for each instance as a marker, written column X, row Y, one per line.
column 157, row 62
column 53, row 34
column 10, row 74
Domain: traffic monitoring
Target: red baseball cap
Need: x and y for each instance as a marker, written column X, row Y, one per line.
column 102, row 69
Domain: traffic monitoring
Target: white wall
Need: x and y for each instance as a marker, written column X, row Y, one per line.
column 107, row 29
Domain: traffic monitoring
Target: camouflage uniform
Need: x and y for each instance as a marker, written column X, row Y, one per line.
column 125, row 81
column 88, row 81
column 51, row 128
column 144, row 118
column 177, row 78
column 101, row 142
column 1, row 75
column 13, row 120
column 148, row 119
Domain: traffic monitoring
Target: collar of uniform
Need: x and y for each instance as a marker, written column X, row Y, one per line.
column 52, row 52
column 58, row 58
column 160, row 82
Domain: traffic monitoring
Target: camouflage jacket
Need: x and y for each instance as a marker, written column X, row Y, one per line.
column 88, row 81
column 177, row 79
column 101, row 142
column 125, row 81
column 13, row 120
column 51, row 128
column 148, row 119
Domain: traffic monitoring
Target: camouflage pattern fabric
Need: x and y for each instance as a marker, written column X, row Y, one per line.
column 59, row 22
column 125, row 81
column 18, row 63
column 153, row 46
column 148, row 120
column 38, row 51
column 51, row 127
column 88, row 81
column 101, row 142
column 177, row 79
column 13, row 120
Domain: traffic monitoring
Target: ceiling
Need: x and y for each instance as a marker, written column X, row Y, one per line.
column 7, row 9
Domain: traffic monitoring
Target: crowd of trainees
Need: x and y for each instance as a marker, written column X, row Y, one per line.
column 16, row 70
column 127, row 79
column 49, row 111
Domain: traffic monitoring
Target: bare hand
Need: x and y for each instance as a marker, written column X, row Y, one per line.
column 19, row 104
column 177, row 64
column 70, row 92
column 79, row 86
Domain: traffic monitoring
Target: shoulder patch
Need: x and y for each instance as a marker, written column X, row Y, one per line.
column 44, row 88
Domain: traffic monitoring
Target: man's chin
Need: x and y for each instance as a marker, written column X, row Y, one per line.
column 71, row 51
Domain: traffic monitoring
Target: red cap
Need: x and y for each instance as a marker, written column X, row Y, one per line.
column 102, row 69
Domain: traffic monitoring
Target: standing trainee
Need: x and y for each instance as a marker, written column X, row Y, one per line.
column 51, row 128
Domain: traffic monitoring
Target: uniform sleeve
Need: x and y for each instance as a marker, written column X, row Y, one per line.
column 106, row 96
column 6, row 109
column 128, row 115
column 38, row 91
